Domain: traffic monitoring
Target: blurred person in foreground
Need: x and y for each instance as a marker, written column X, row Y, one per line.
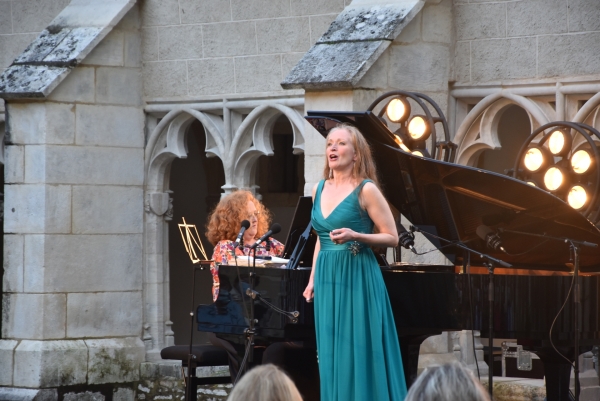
column 449, row 382
column 265, row 383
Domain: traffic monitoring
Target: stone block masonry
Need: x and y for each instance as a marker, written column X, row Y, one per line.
column 196, row 49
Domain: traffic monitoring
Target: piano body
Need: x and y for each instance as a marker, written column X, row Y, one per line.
column 453, row 201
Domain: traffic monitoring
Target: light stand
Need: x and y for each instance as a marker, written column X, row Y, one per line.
column 574, row 246
column 490, row 265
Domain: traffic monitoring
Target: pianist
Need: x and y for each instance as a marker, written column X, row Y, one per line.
column 224, row 224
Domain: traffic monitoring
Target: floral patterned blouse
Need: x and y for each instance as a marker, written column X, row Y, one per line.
column 223, row 255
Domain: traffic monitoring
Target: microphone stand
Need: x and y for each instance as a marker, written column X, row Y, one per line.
column 251, row 330
column 574, row 245
column 490, row 263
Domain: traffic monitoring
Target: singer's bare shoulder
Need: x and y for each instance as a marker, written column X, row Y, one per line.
column 371, row 193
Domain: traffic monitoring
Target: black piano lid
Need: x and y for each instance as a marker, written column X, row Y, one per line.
column 457, row 199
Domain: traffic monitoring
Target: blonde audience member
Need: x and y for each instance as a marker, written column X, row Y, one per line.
column 448, row 382
column 265, row 383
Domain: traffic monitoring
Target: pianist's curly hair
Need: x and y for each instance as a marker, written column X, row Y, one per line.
column 364, row 166
column 225, row 220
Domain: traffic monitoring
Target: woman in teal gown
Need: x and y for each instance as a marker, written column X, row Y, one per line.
column 357, row 343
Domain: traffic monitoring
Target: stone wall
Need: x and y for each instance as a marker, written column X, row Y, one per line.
column 526, row 40
column 73, row 225
column 199, row 50
column 417, row 60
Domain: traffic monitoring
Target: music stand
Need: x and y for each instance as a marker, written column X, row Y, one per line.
column 191, row 241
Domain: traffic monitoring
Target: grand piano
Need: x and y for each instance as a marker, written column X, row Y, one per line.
column 450, row 201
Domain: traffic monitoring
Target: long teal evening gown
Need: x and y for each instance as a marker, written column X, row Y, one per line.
column 357, row 344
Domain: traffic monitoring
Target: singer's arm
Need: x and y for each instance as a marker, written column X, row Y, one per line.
column 373, row 201
column 223, row 253
column 309, row 292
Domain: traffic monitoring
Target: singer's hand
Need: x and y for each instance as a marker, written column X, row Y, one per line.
column 309, row 293
column 341, row 235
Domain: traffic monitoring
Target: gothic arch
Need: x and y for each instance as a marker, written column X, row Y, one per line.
column 238, row 148
column 478, row 131
column 589, row 112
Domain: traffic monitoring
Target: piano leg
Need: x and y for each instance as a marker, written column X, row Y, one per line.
column 558, row 374
column 409, row 348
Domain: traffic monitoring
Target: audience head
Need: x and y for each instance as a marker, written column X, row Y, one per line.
column 364, row 167
column 265, row 383
column 225, row 220
column 448, row 382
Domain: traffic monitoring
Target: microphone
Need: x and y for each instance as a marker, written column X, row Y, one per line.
column 491, row 238
column 406, row 239
column 245, row 226
column 275, row 228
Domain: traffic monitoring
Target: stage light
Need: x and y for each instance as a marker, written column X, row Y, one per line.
column 562, row 158
column 532, row 183
column 577, row 197
column 581, row 161
column 534, row 159
column 559, row 143
column 398, row 110
column 400, row 143
column 554, row 178
column 418, row 117
column 418, row 129
column 421, row 153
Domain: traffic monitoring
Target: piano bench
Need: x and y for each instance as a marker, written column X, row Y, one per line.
column 206, row 355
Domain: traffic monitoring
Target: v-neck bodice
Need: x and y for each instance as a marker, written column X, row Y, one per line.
column 348, row 214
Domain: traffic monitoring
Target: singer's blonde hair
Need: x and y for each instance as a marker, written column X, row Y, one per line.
column 364, row 167
column 265, row 383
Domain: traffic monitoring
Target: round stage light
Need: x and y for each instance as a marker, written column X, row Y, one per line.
column 558, row 143
column 553, row 179
column 534, row 159
column 398, row 110
column 577, row 197
column 581, row 161
column 418, row 129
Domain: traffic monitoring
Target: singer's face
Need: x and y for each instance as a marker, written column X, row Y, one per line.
column 340, row 152
column 252, row 217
